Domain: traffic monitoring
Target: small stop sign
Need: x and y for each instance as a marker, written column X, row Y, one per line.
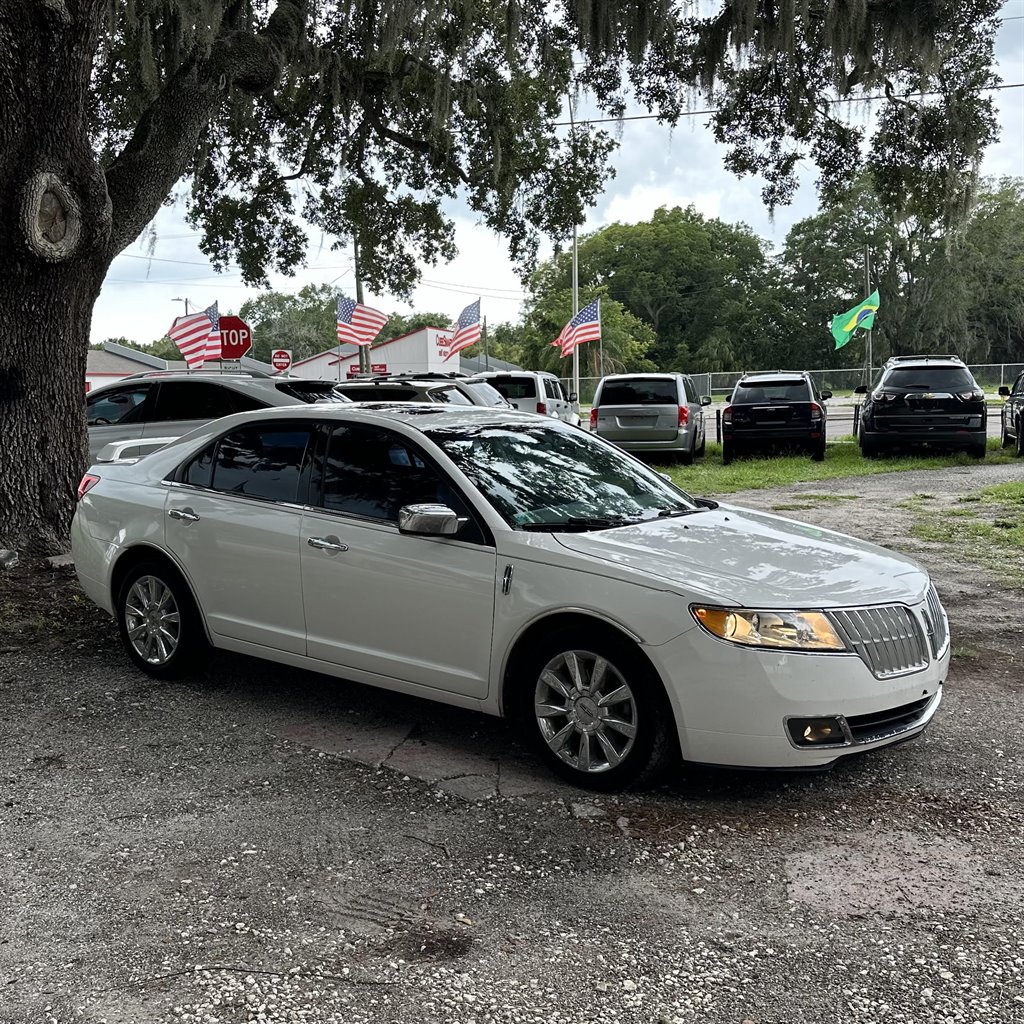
column 281, row 359
column 235, row 337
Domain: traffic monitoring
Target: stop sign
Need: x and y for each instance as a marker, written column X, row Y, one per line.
column 235, row 337
column 281, row 359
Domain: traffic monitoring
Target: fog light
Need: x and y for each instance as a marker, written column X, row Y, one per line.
column 815, row 732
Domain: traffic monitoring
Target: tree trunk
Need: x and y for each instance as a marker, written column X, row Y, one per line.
column 54, row 240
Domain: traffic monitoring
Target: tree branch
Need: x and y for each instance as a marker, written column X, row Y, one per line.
column 167, row 136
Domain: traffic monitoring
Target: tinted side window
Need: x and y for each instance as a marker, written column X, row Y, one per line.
column 373, row 473
column 1018, row 388
column 121, row 405
column 690, row 390
column 551, row 389
column 260, row 462
column 200, row 400
column 515, row 387
column 199, row 472
column 449, row 396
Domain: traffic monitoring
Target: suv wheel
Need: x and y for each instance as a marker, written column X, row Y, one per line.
column 869, row 449
column 596, row 711
column 728, row 454
column 1004, row 438
column 977, row 451
column 1019, row 447
column 818, row 451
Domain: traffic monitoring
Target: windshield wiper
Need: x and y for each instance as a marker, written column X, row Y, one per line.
column 577, row 524
column 670, row 513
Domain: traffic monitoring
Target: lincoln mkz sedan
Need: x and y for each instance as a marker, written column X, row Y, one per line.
column 514, row 565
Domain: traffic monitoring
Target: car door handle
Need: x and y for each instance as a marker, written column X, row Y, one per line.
column 184, row 514
column 329, row 544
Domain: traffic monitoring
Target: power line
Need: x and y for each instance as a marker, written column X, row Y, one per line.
column 714, row 110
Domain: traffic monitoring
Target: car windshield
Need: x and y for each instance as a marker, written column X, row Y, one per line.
column 548, row 476
column 311, row 390
column 929, row 378
column 639, row 392
column 486, row 394
column 755, row 392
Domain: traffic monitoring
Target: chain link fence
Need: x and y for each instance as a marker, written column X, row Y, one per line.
column 991, row 376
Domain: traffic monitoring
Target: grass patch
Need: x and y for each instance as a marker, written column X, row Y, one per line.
column 709, row 476
column 988, row 531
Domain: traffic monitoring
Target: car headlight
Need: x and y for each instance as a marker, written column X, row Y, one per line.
column 792, row 630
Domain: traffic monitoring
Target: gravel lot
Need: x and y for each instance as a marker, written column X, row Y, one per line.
column 231, row 849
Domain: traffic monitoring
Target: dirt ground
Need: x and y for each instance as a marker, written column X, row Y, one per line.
column 262, row 844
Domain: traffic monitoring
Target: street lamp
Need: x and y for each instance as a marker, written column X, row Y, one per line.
column 182, row 300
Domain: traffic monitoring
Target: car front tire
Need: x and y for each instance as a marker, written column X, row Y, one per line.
column 159, row 622
column 1019, row 446
column 596, row 711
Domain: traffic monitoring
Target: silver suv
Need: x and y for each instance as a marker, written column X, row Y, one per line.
column 169, row 404
column 535, row 391
column 651, row 412
column 440, row 388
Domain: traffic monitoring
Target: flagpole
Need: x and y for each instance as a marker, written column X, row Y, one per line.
column 575, row 263
column 867, row 292
column 364, row 350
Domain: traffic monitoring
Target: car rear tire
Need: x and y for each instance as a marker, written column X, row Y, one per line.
column 728, row 453
column 686, row 458
column 596, row 711
column 868, row 448
column 977, row 451
column 818, row 451
column 1019, row 446
column 160, row 625
column 1004, row 438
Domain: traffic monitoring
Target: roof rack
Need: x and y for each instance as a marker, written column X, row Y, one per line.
column 200, row 373
column 923, row 359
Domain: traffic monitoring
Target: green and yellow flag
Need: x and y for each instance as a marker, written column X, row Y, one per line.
column 863, row 315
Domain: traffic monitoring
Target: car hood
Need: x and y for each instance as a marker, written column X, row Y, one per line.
column 753, row 559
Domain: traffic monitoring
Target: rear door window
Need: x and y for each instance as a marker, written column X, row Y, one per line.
column 449, row 396
column 200, row 400
column 691, row 390
column 486, row 394
column 552, row 390
column 640, row 392
column 256, row 461
column 120, row 405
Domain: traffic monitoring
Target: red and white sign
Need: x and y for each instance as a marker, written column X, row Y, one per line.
column 281, row 359
column 235, row 337
column 378, row 367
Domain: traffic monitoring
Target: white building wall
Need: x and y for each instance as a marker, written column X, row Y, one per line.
column 422, row 351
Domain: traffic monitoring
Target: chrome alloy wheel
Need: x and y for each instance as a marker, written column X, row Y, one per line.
column 152, row 620
column 586, row 711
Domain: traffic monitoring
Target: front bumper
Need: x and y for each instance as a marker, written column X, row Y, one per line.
column 732, row 704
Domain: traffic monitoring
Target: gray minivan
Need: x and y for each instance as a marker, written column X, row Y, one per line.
column 650, row 412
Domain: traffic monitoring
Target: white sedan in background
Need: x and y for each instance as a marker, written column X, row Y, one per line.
column 517, row 566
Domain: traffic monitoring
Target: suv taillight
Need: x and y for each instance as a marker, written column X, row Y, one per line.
column 976, row 395
column 815, row 411
column 593, row 417
column 684, row 415
column 727, row 414
column 89, row 481
column 542, row 409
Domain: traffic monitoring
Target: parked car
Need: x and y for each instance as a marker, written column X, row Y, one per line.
column 924, row 400
column 518, row 566
column 442, row 388
column 1011, row 424
column 535, row 391
column 656, row 413
column 162, row 404
column 773, row 409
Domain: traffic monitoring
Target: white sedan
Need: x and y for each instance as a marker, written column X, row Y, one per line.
column 514, row 565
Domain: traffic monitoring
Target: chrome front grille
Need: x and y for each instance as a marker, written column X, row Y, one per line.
column 935, row 620
column 888, row 638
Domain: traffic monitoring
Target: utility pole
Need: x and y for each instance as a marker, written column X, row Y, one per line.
column 487, row 360
column 364, row 350
column 867, row 292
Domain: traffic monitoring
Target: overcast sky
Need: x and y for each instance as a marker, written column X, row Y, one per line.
column 655, row 166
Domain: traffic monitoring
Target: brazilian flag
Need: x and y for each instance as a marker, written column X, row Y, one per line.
column 863, row 315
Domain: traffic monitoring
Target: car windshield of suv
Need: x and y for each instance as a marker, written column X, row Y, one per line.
column 929, row 378
column 639, row 392
column 755, row 392
column 311, row 391
column 486, row 395
column 553, row 477
column 515, row 387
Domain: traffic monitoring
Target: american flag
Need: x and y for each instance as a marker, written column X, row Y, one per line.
column 466, row 328
column 584, row 326
column 197, row 336
column 358, row 324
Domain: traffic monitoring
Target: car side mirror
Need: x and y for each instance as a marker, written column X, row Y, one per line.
column 826, row 395
column 1004, row 391
column 573, row 397
column 428, row 521
column 705, row 400
column 860, row 389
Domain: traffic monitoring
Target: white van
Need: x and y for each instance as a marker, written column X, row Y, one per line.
column 535, row 391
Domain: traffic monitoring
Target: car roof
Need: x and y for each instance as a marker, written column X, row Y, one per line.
column 921, row 362
column 655, row 375
column 515, row 373
column 767, row 378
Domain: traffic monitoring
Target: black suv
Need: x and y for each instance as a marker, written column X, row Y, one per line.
column 782, row 408
column 924, row 400
column 1012, row 422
